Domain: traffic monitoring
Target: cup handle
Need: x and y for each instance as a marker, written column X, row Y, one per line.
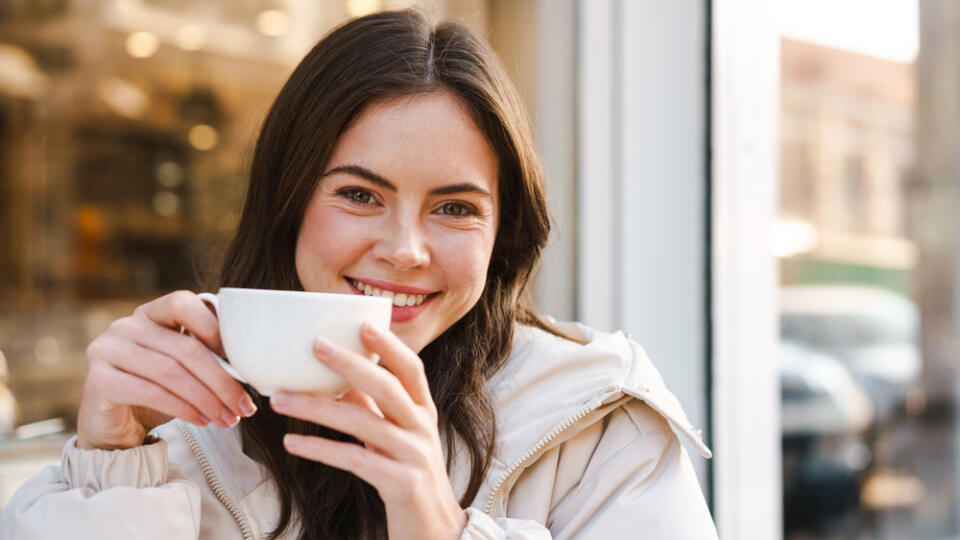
column 214, row 301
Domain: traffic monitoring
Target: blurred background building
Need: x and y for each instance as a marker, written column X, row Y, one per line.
column 762, row 192
column 868, row 178
column 126, row 129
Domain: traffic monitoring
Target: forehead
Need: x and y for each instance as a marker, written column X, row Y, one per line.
column 428, row 138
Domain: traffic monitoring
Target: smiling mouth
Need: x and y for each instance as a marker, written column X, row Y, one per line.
column 398, row 299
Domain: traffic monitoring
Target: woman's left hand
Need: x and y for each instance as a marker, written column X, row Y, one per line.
column 393, row 414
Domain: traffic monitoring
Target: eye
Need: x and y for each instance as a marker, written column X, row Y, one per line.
column 359, row 196
column 455, row 209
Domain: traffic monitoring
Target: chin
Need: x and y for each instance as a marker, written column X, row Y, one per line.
column 410, row 337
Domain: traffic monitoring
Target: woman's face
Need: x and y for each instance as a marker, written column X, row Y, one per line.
column 406, row 208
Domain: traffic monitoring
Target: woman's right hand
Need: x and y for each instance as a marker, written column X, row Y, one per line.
column 143, row 372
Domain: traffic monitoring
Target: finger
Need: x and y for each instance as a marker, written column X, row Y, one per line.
column 185, row 309
column 128, row 389
column 170, row 375
column 347, row 418
column 198, row 360
column 369, row 466
column 360, row 398
column 405, row 364
column 389, row 395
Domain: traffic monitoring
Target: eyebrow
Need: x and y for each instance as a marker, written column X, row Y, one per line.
column 367, row 174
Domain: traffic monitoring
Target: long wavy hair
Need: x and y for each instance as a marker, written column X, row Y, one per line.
column 383, row 56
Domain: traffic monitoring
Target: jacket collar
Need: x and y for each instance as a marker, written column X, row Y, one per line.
column 644, row 382
column 548, row 379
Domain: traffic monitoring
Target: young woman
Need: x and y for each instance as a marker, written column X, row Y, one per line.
column 396, row 161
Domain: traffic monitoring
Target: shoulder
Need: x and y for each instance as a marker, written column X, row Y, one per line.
column 588, row 363
column 550, row 378
column 541, row 358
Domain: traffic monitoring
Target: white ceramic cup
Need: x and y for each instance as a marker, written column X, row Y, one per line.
column 268, row 335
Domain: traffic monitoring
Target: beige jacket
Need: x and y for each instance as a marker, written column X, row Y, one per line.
column 586, row 450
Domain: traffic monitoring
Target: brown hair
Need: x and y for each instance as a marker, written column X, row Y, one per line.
column 382, row 56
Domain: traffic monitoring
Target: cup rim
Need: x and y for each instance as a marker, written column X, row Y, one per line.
column 347, row 297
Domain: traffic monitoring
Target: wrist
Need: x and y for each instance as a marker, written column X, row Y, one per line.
column 456, row 521
column 460, row 520
column 126, row 443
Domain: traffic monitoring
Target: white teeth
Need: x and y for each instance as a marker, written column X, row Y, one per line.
column 398, row 299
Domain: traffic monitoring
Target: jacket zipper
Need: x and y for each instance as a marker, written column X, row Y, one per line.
column 563, row 426
column 214, row 484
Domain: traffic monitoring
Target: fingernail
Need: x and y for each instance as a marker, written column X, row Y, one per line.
column 292, row 440
column 229, row 418
column 204, row 420
column 246, row 406
column 322, row 346
column 371, row 330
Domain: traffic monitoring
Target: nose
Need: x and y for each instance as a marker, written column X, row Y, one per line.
column 403, row 244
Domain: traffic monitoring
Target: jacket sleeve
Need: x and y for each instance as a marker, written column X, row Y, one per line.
column 104, row 494
column 636, row 481
column 480, row 526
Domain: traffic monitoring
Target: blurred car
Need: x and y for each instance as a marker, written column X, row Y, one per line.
column 873, row 332
column 848, row 359
column 818, row 394
column 824, row 415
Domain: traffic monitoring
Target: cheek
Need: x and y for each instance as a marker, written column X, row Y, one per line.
column 328, row 241
column 464, row 259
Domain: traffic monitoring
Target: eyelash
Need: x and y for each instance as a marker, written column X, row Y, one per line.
column 467, row 209
column 352, row 194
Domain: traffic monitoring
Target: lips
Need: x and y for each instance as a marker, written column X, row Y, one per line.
column 408, row 302
column 399, row 299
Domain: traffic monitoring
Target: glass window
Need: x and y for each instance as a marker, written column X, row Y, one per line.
column 125, row 130
column 868, row 348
